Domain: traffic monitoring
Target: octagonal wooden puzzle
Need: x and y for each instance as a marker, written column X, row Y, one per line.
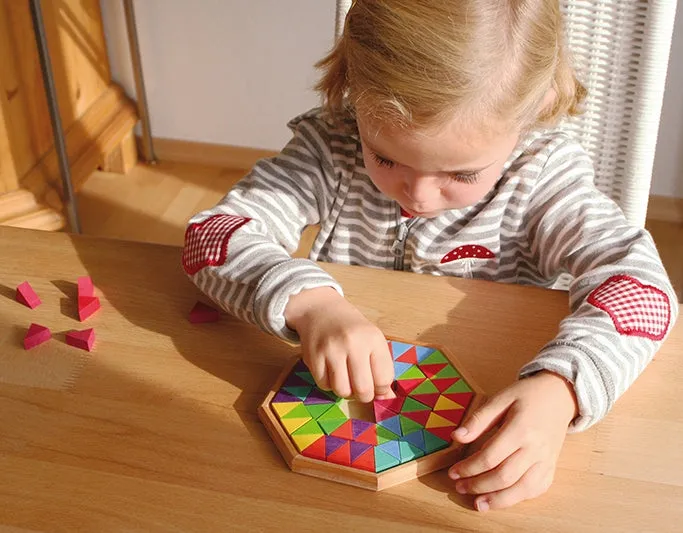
column 380, row 444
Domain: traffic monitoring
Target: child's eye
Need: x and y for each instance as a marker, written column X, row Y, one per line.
column 465, row 178
column 381, row 162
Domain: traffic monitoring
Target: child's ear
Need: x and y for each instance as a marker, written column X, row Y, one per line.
column 548, row 101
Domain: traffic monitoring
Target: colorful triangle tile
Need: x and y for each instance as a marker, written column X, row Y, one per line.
column 433, row 443
column 462, row 398
column 408, row 425
column 292, row 424
column 332, row 444
column 365, row 461
column 432, row 370
column 399, row 348
column 304, row 441
column 369, row 436
column 426, row 399
column 409, row 356
column 329, row 426
column 420, row 417
column 409, row 452
column 460, row 386
column 317, row 396
column 307, row 377
column 309, row 428
column 448, row 372
column 300, row 366
column 412, row 405
column 317, row 409
column 437, row 421
column 401, row 368
column 433, row 358
column 384, row 461
column 315, row 450
column 443, row 383
column 299, row 392
column 406, row 386
column 299, row 411
column 454, row 415
column 423, row 352
column 345, row 431
column 295, row 381
column 283, row 408
column 444, row 433
column 393, row 404
column 359, row 427
column 446, row 404
column 382, row 413
column 412, row 373
column 285, row 397
column 385, row 435
column 333, row 413
column 341, row 456
column 417, row 439
column 358, row 449
column 393, row 424
column 391, row 448
column 426, row 387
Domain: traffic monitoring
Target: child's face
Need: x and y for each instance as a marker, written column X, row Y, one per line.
column 428, row 173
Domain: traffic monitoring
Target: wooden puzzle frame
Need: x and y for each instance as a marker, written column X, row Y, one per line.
column 353, row 476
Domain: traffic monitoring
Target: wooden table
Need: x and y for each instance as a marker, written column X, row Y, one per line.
column 156, row 429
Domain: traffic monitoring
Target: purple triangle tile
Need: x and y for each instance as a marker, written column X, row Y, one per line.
column 285, row 397
column 296, row 381
column 300, row 367
column 316, row 397
column 333, row 443
column 359, row 426
column 358, row 449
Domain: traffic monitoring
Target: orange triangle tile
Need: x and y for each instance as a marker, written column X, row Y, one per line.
column 409, row 357
column 345, row 431
column 341, row 456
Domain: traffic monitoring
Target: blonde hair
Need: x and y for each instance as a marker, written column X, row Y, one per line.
column 420, row 63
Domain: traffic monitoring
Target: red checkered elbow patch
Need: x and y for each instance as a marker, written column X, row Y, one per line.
column 206, row 243
column 635, row 309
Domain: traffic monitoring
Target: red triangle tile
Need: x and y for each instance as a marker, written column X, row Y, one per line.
column 420, row 417
column 382, row 413
column 409, row 357
column 405, row 386
column 366, row 461
column 432, row 370
column 454, row 415
column 394, row 404
column 369, row 436
column 316, row 450
column 463, row 398
column 345, row 431
column 341, row 456
column 443, row 433
column 443, row 383
column 428, row 399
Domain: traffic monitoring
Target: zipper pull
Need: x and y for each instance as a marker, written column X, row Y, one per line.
column 397, row 248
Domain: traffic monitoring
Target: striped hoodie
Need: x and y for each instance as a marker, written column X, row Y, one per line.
column 543, row 219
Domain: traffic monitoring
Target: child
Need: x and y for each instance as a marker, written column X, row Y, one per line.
column 437, row 132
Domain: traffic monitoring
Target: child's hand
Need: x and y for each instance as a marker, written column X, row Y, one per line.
column 344, row 351
column 519, row 460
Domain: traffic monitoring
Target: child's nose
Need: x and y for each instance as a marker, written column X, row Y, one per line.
column 420, row 190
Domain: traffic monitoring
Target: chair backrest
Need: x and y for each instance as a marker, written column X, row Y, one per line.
column 621, row 52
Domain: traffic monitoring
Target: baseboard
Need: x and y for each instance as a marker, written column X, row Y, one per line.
column 665, row 208
column 218, row 155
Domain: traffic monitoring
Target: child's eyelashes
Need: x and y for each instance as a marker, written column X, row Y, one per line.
column 468, row 178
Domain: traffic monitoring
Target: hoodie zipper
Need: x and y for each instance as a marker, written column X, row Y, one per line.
column 398, row 248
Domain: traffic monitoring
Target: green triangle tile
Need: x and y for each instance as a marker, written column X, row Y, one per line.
column 330, row 426
column 306, row 376
column 309, row 428
column 411, row 405
column 333, row 413
column 299, row 411
column 458, row 386
column 409, row 452
column 436, row 357
column 384, row 435
column 408, row 425
column 383, row 460
column 412, row 373
column 299, row 392
column 426, row 387
column 447, row 372
column 318, row 409
column 434, row 443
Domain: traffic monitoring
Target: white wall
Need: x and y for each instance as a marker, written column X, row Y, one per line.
column 234, row 71
column 223, row 71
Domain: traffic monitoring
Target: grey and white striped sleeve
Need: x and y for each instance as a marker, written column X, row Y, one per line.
column 238, row 252
column 622, row 302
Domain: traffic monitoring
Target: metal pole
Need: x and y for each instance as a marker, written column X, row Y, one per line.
column 143, row 109
column 55, row 119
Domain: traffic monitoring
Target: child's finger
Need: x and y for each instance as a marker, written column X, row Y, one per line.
column 318, row 368
column 382, row 367
column 360, row 376
column 495, row 451
column 503, row 476
column 483, row 419
column 532, row 484
column 338, row 375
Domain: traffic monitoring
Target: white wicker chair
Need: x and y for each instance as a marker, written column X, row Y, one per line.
column 621, row 51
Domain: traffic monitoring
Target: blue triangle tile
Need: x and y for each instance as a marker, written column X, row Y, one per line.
column 417, row 439
column 400, row 368
column 399, row 348
column 423, row 352
column 392, row 448
column 393, row 424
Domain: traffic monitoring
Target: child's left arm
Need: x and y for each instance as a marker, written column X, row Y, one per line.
column 622, row 308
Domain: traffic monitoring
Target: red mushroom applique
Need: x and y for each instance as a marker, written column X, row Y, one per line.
column 468, row 251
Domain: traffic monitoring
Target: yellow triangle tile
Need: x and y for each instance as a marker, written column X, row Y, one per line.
column 444, row 404
column 304, row 441
column 283, row 408
column 292, row 424
column 436, row 421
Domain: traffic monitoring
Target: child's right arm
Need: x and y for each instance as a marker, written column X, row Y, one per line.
column 238, row 253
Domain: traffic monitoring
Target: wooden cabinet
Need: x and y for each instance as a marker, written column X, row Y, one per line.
column 97, row 117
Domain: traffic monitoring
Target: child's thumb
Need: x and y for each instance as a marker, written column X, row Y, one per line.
column 482, row 419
